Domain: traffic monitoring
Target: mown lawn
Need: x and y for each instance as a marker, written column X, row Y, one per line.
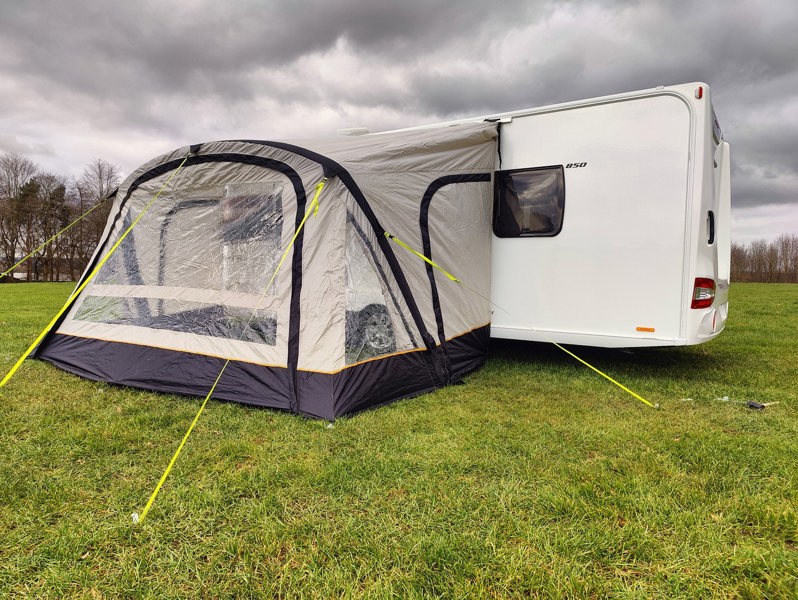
column 535, row 478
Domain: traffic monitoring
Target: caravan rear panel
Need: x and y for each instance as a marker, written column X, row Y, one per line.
column 641, row 212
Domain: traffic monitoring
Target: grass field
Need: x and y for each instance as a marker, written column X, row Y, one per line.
column 536, row 478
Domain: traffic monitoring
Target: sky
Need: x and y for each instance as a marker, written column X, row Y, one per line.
column 127, row 81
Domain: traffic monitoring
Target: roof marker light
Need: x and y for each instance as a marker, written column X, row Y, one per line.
column 699, row 92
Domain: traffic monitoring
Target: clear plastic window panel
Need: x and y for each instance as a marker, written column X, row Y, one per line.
column 250, row 236
column 529, row 202
column 376, row 322
column 216, row 320
column 230, row 244
column 225, row 239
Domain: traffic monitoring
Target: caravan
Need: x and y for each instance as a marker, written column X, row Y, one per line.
column 611, row 221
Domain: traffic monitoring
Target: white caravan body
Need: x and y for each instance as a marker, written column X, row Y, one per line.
column 645, row 223
column 612, row 221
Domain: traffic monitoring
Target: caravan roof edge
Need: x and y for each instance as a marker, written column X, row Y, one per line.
column 508, row 115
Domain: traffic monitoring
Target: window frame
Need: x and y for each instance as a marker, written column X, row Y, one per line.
column 499, row 202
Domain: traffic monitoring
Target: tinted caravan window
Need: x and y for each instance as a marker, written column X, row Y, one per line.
column 529, row 202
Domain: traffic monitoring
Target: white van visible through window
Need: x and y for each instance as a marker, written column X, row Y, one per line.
column 529, row 202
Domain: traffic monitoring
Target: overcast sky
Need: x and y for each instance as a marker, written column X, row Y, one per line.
column 126, row 81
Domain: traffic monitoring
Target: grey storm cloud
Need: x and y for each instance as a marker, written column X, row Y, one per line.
column 171, row 47
column 181, row 70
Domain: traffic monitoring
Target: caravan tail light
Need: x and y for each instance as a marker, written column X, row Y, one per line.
column 703, row 293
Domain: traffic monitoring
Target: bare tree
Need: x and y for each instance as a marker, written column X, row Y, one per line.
column 71, row 240
column 99, row 179
column 787, row 247
column 28, row 226
column 52, row 215
column 757, row 254
column 771, row 274
column 740, row 262
column 765, row 262
column 15, row 172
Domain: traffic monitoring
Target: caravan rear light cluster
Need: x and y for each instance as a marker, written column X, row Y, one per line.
column 703, row 293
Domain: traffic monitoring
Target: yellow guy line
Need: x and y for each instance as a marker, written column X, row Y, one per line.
column 607, row 377
column 75, row 222
column 429, row 261
column 138, row 519
column 456, row 280
column 422, row 257
column 88, row 279
column 314, row 208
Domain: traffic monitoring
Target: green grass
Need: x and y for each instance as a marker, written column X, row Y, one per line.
column 535, row 478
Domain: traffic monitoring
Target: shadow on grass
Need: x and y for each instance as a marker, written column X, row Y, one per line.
column 654, row 361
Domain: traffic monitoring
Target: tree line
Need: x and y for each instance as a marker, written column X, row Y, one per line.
column 773, row 262
column 35, row 205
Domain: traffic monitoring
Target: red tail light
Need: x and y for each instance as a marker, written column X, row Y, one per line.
column 703, row 293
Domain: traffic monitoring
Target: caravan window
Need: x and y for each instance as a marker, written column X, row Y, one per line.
column 529, row 202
